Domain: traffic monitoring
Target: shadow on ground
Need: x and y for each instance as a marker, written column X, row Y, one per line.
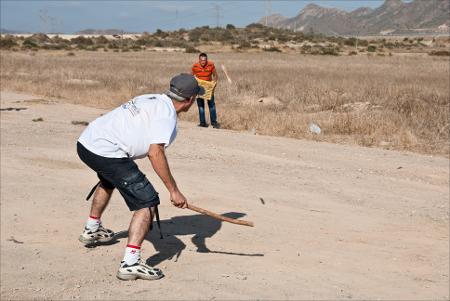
column 171, row 247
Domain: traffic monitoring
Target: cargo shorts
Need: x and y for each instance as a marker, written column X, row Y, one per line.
column 123, row 174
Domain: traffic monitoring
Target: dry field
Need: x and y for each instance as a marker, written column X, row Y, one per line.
column 391, row 102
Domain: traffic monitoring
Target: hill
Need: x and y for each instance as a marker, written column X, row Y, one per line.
column 394, row 17
column 101, row 32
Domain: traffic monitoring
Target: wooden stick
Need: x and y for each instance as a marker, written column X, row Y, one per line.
column 220, row 217
column 226, row 74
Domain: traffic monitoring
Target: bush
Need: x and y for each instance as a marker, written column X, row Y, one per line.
column 101, row 40
column 244, row 44
column 191, row 49
column 7, row 42
column 329, row 50
column 440, row 53
column 82, row 41
column 350, row 42
column 371, row 48
column 29, row 43
column 352, row 53
column 272, row 49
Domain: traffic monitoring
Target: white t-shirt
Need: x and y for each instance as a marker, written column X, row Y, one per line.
column 128, row 130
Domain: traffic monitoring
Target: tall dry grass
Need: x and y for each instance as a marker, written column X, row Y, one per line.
column 394, row 102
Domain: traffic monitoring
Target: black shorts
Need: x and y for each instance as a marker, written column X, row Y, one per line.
column 123, row 174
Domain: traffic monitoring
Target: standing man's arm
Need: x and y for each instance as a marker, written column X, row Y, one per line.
column 214, row 75
column 157, row 157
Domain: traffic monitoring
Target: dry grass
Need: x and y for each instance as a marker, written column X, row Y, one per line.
column 393, row 102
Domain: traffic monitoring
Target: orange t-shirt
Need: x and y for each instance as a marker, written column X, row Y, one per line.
column 204, row 73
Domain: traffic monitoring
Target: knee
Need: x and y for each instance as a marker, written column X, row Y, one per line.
column 144, row 214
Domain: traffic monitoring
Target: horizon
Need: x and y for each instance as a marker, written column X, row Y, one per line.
column 139, row 16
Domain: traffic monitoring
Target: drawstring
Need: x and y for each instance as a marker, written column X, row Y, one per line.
column 92, row 191
column 158, row 221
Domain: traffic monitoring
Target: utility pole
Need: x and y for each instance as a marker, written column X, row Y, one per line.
column 217, row 9
column 43, row 15
column 268, row 12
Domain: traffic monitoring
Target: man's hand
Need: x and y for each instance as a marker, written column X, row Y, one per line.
column 178, row 199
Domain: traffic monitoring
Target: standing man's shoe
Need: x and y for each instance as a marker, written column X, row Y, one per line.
column 215, row 125
column 203, row 125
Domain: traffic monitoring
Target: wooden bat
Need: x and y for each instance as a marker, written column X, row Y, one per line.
column 220, row 217
column 226, row 74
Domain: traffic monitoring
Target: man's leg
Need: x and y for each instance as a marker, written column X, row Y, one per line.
column 93, row 229
column 201, row 111
column 101, row 199
column 139, row 226
column 132, row 267
column 212, row 112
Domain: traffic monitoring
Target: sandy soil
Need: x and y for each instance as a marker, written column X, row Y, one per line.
column 332, row 222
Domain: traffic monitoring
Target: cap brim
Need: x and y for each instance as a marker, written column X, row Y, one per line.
column 200, row 90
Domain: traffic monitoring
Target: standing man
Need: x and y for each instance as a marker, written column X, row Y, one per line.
column 205, row 70
column 142, row 127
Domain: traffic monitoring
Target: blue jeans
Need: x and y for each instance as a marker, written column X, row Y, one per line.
column 212, row 110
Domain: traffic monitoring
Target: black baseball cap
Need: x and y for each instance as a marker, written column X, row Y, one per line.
column 185, row 85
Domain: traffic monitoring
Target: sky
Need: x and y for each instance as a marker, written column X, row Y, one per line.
column 138, row 16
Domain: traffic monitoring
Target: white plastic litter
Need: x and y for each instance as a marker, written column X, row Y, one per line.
column 314, row 128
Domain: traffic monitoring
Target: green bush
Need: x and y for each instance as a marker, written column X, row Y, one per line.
column 371, row 48
column 29, row 43
column 329, row 50
column 7, row 42
column 82, row 41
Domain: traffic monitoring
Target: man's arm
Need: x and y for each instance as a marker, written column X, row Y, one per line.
column 159, row 162
column 215, row 76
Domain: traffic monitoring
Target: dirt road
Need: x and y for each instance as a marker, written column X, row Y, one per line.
column 332, row 221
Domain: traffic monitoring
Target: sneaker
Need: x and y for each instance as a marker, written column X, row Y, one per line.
column 203, row 125
column 139, row 270
column 215, row 125
column 101, row 235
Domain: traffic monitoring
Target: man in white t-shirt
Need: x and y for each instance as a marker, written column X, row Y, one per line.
column 142, row 127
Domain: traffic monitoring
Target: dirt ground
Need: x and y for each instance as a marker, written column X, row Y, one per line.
column 332, row 221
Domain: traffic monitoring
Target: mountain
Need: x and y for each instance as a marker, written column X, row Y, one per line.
column 101, row 32
column 9, row 31
column 392, row 17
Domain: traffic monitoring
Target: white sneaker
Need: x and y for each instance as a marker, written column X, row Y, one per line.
column 139, row 270
column 101, row 235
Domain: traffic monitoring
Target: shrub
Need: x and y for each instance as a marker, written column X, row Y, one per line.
column 272, row 49
column 244, row 44
column 350, row 42
column 7, row 42
column 101, row 40
column 191, row 49
column 440, row 53
column 29, row 43
column 329, row 50
column 371, row 48
column 82, row 41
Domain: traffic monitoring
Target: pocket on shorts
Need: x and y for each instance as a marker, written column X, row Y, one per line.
column 138, row 191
